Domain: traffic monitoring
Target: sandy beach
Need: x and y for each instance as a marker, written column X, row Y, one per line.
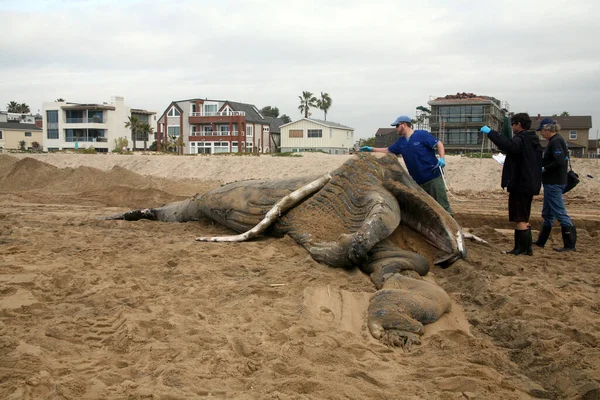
column 138, row 310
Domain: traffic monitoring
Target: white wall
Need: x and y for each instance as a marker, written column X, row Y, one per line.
column 332, row 137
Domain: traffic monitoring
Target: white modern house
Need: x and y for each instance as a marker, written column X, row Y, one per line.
column 309, row 134
column 79, row 125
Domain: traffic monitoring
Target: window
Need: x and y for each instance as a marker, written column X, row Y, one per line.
column 227, row 111
column 173, row 112
column 27, row 134
column 223, row 130
column 52, row 133
column 1, row 135
column 210, row 109
column 249, row 130
column 296, row 133
column 95, row 117
column 572, row 135
column 459, row 136
column 74, row 116
column 173, row 130
column 266, row 129
column 315, row 133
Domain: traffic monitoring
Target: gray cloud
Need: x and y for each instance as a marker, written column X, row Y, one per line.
column 376, row 59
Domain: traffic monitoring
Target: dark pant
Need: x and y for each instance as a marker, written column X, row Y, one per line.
column 519, row 206
column 437, row 189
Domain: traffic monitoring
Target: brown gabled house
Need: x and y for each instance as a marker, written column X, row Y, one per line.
column 574, row 129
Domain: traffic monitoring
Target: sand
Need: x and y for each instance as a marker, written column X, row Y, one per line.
column 130, row 310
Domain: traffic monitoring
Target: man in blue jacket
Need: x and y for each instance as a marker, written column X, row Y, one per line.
column 418, row 151
column 521, row 176
column 554, row 179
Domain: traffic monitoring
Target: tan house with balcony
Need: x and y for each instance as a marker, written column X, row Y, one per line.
column 81, row 125
column 204, row 126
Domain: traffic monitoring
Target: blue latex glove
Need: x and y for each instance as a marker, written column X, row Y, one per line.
column 441, row 163
column 366, row 148
column 485, row 129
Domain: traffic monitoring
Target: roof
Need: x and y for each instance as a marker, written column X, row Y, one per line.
column 321, row 122
column 570, row 122
column 77, row 106
column 138, row 111
column 463, row 98
column 384, row 131
column 274, row 124
column 17, row 126
column 252, row 113
column 570, row 145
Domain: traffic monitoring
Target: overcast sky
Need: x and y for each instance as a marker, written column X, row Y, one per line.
column 376, row 59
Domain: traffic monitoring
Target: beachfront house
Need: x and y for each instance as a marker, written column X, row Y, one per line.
column 309, row 134
column 203, row 126
column 574, row 129
column 20, row 136
column 456, row 120
column 69, row 125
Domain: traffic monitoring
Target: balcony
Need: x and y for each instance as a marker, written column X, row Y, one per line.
column 213, row 133
column 218, row 114
column 84, row 121
column 203, row 117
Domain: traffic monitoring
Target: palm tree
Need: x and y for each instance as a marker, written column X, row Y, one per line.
column 324, row 103
column 134, row 124
column 59, row 100
column 307, row 100
column 23, row 109
column 146, row 130
column 12, row 107
column 565, row 114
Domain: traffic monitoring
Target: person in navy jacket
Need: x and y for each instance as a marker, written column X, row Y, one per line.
column 554, row 179
column 418, row 151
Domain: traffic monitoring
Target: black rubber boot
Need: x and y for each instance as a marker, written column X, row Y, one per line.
column 543, row 235
column 523, row 241
column 516, row 235
column 569, row 235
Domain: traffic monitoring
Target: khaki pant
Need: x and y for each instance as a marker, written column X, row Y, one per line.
column 437, row 189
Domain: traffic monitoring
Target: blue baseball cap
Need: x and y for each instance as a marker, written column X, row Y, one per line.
column 545, row 121
column 400, row 119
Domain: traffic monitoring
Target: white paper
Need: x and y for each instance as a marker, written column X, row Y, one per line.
column 499, row 157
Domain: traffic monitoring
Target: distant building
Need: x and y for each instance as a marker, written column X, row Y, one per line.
column 316, row 135
column 456, row 119
column 80, row 125
column 13, row 134
column 574, row 129
column 275, row 124
column 203, row 126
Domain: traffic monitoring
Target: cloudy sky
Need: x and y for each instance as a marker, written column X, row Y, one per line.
column 376, row 59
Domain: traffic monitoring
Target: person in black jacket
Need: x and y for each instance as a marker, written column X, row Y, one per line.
column 521, row 176
column 554, row 179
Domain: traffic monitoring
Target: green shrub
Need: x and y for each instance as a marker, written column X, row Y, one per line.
column 286, row 154
column 120, row 144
